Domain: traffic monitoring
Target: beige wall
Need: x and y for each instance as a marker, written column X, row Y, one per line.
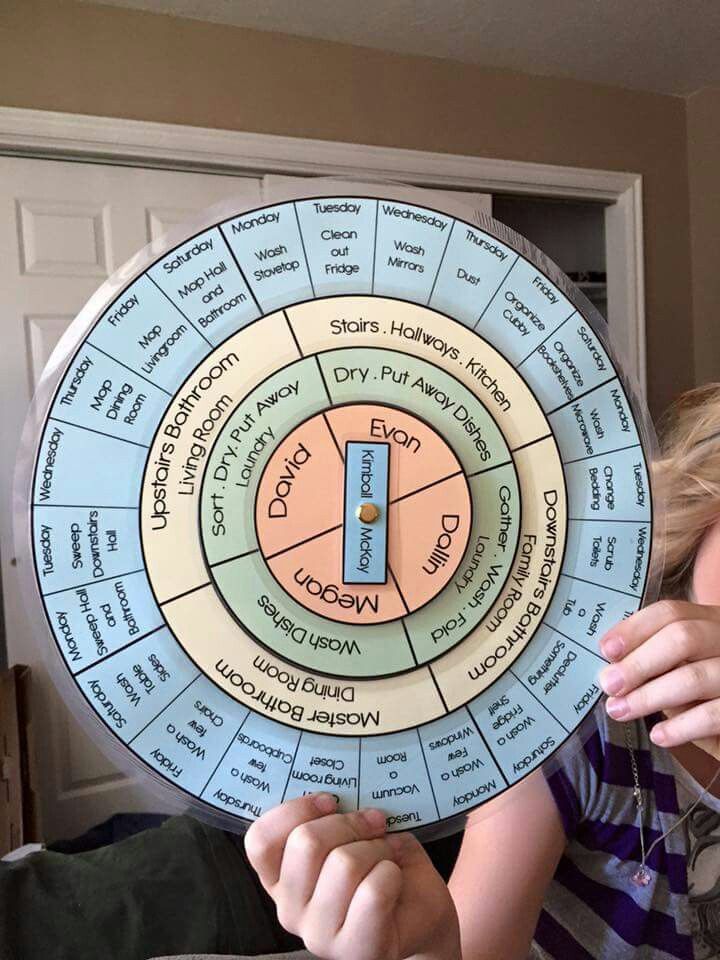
column 703, row 132
column 61, row 56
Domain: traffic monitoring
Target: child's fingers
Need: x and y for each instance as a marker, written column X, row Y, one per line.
column 266, row 838
column 699, row 722
column 370, row 919
column 689, row 683
column 629, row 634
column 343, row 871
column 307, row 848
column 676, row 643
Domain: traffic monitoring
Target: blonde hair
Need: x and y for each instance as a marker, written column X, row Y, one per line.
column 687, row 478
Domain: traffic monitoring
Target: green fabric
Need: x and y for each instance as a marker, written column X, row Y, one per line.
column 181, row 888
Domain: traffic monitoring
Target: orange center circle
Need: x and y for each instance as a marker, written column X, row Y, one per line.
column 299, row 514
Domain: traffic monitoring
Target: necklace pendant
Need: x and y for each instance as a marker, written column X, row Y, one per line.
column 641, row 877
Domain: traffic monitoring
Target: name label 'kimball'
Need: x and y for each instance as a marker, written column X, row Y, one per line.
column 366, row 504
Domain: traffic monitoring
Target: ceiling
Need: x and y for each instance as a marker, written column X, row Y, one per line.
column 667, row 46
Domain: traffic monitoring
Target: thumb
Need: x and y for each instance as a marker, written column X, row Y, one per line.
column 408, row 850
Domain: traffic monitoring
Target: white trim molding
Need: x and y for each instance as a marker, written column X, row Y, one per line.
column 51, row 135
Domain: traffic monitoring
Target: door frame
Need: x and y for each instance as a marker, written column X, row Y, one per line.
column 66, row 136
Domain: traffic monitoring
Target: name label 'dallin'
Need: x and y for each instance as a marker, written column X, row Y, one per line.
column 365, row 521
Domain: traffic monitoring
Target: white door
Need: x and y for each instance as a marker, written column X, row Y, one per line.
column 64, row 227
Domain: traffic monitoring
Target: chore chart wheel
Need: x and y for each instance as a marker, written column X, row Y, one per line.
column 338, row 494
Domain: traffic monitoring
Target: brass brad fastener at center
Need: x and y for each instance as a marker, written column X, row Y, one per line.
column 367, row 512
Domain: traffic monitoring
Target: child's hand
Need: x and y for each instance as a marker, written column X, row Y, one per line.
column 666, row 658
column 351, row 891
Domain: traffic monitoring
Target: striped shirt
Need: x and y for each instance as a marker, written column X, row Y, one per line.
column 592, row 908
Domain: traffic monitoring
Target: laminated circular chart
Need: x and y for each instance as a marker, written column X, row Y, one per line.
column 340, row 494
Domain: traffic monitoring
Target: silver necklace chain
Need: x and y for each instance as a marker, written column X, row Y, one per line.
column 642, row 876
